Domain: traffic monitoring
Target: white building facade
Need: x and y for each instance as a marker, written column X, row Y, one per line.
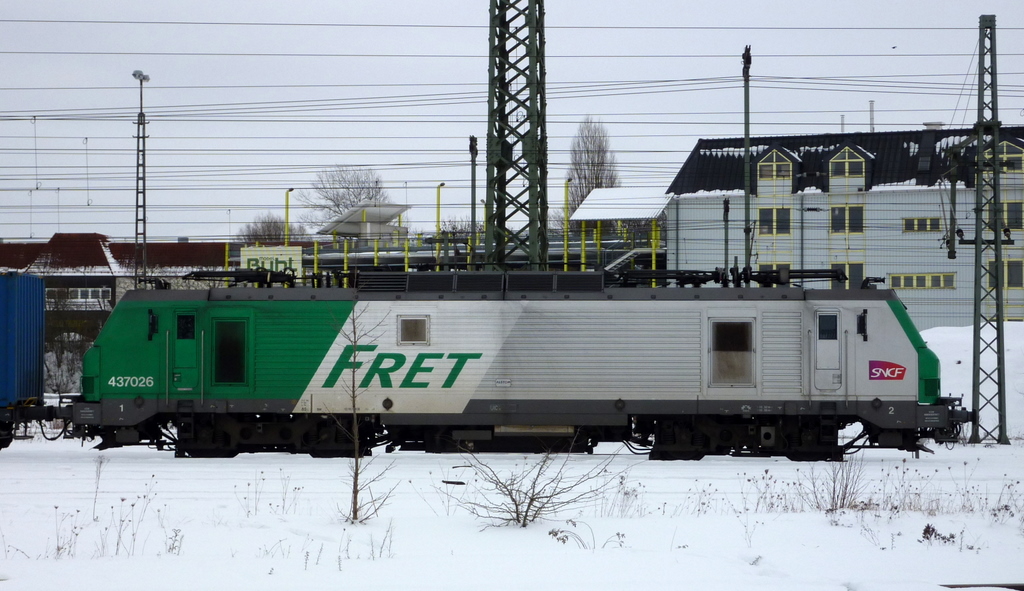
column 874, row 205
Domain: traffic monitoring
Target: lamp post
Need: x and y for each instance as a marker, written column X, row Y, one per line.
column 287, row 225
column 471, row 243
column 565, row 228
column 437, row 231
column 140, row 186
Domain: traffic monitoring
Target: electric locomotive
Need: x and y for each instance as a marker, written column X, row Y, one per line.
column 519, row 361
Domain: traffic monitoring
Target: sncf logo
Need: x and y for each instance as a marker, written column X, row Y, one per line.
column 886, row 370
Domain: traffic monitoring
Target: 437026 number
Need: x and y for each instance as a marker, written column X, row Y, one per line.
column 131, row 381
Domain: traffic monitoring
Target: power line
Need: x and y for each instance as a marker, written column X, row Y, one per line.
column 483, row 27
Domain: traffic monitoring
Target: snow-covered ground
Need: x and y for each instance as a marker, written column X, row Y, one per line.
column 141, row 519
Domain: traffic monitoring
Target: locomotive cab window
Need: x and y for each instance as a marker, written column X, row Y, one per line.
column 229, row 351
column 414, row 330
column 732, row 353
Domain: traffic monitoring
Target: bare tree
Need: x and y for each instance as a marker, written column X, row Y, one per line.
column 461, row 226
column 364, row 504
column 337, row 189
column 268, row 227
column 592, row 164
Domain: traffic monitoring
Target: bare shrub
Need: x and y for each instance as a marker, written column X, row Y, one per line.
column 533, row 490
column 841, row 485
column 626, row 500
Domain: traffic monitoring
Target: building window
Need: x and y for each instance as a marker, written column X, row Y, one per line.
column 773, row 220
column 774, row 166
column 847, row 164
column 79, row 294
column 848, row 219
column 1013, row 274
column 774, row 267
column 922, row 281
column 1010, row 157
column 1014, row 215
column 921, row 225
column 413, row 330
column 78, row 298
column 854, row 275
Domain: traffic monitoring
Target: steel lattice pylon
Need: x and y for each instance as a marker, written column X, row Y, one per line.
column 141, row 266
column 989, row 373
column 516, row 206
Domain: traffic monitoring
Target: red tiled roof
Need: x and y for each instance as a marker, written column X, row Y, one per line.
column 72, row 251
column 19, row 256
column 93, row 251
column 171, row 254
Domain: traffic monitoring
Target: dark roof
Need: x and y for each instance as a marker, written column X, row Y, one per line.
column 171, row 254
column 19, row 256
column 918, row 157
column 92, row 251
column 72, row 251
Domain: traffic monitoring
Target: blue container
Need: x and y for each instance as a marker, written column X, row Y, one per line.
column 22, row 329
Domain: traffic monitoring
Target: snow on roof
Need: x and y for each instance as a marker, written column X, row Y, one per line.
column 622, row 203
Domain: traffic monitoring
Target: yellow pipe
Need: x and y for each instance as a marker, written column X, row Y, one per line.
column 376, row 252
column 598, row 234
column 654, row 247
column 287, row 195
column 583, row 245
column 227, row 261
column 437, row 232
column 565, row 229
column 406, row 255
column 316, row 257
column 345, row 264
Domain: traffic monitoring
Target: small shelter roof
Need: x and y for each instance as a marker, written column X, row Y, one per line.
column 375, row 212
column 622, row 203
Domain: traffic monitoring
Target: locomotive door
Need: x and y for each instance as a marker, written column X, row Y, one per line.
column 828, row 358
column 184, row 353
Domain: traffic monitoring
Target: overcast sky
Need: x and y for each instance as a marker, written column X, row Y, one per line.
column 248, row 99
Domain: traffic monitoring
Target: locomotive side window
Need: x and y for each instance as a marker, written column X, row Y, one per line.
column 413, row 330
column 828, row 327
column 229, row 351
column 186, row 326
column 732, row 353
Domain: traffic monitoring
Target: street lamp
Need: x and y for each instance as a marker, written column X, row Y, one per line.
column 437, row 232
column 565, row 228
column 287, row 194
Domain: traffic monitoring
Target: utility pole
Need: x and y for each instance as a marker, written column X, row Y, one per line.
column 747, row 228
column 989, row 370
column 516, row 136
column 139, row 270
column 471, row 242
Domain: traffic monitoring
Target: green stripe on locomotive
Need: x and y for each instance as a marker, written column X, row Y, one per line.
column 928, row 367
column 265, row 349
